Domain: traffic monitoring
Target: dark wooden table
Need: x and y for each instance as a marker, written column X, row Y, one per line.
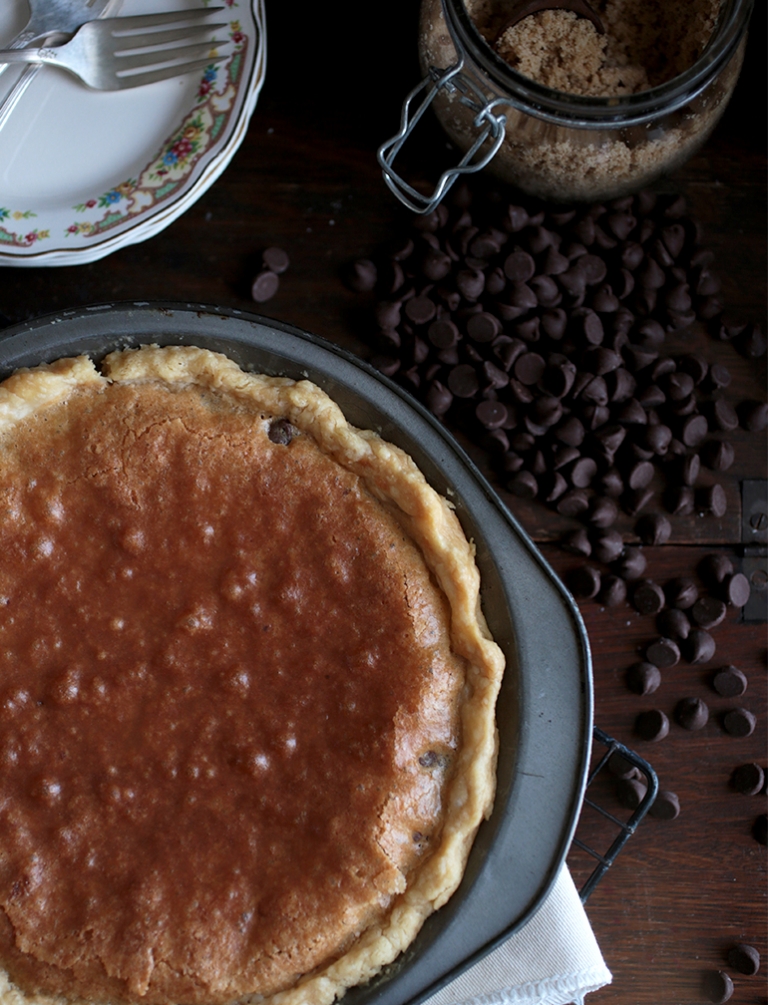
column 682, row 891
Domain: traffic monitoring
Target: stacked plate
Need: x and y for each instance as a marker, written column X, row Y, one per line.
column 83, row 172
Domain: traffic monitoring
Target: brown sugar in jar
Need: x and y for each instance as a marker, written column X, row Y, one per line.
column 567, row 114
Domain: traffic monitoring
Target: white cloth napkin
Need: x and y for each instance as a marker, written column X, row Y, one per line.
column 553, row 960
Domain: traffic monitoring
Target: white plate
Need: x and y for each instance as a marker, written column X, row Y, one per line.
column 85, row 172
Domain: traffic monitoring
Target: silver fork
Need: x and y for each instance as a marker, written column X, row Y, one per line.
column 47, row 19
column 112, row 53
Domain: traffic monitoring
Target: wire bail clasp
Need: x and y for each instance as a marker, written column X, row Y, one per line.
column 489, row 126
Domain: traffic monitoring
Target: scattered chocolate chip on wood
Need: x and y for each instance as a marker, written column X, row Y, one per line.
column 631, row 792
column 730, row 682
column 736, row 589
column 648, row 597
column 265, row 286
column 621, row 767
column 708, row 612
column 654, row 529
column 718, row 987
column 652, row 725
column 584, row 582
column 715, row 568
column 663, row 653
column 744, row 959
column 681, row 593
column 673, row 623
column 666, row 805
column 643, row 678
column 691, row 713
column 739, row 722
column 613, row 591
column 748, row 779
column 760, row 829
column 699, row 647
column 276, row 260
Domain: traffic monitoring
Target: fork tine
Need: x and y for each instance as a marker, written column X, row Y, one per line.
column 146, row 22
column 131, row 66
column 159, row 39
column 164, row 73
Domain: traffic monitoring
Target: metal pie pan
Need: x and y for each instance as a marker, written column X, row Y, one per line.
column 544, row 712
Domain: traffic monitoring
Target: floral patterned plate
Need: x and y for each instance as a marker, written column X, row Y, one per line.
column 83, row 173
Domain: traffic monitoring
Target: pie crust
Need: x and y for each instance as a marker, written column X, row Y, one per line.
column 408, row 712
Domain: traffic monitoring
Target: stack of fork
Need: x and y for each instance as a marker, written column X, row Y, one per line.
column 111, row 53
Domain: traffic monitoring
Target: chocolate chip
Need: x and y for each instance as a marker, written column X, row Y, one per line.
column 681, row 592
column 681, row 500
column 281, row 431
column 420, row 310
column 631, row 792
column 632, row 564
column 689, row 469
column 443, row 333
column 648, row 597
column 652, row 725
column 666, row 805
column 744, row 959
column 715, row 568
column 470, row 283
column 608, row 546
column 730, row 682
column 577, row 542
column 673, row 623
column 718, row 455
column 643, row 678
column 663, row 653
column 739, row 722
column 635, row 501
column 621, row 767
column 718, row 987
column 691, row 713
column 360, row 276
column 760, row 829
column 654, row 529
column 753, row 415
column 736, row 589
column 523, row 485
column 699, row 647
column 748, row 779
column 491, row 414
column 611, row 483
column 708, row 612
column 439, row 398
column 694, row 431
column 582, row 472
column 519, row 266
column 529, row 368
column 751, row 343
column 613, row 591
column 264, row 286
column 483, row 327
column 584, row 582
column 603, row 512
column 278, row 261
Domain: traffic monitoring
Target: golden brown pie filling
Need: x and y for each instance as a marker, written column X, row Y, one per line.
column 246, row 693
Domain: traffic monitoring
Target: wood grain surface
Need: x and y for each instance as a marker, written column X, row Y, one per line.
column 682, row 891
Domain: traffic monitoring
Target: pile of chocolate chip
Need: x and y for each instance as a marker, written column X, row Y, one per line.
column 541, row 333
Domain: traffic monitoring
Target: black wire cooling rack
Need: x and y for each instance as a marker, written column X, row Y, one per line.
column 624, row 829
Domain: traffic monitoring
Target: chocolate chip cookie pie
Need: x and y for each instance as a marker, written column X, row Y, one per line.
column 246, row 691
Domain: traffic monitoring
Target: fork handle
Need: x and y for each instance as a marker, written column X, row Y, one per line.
column 13, row 97
column 45, row 55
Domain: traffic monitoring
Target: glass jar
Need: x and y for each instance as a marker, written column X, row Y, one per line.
column 558, row 146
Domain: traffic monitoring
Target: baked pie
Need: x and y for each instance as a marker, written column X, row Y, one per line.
column 246, row 693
